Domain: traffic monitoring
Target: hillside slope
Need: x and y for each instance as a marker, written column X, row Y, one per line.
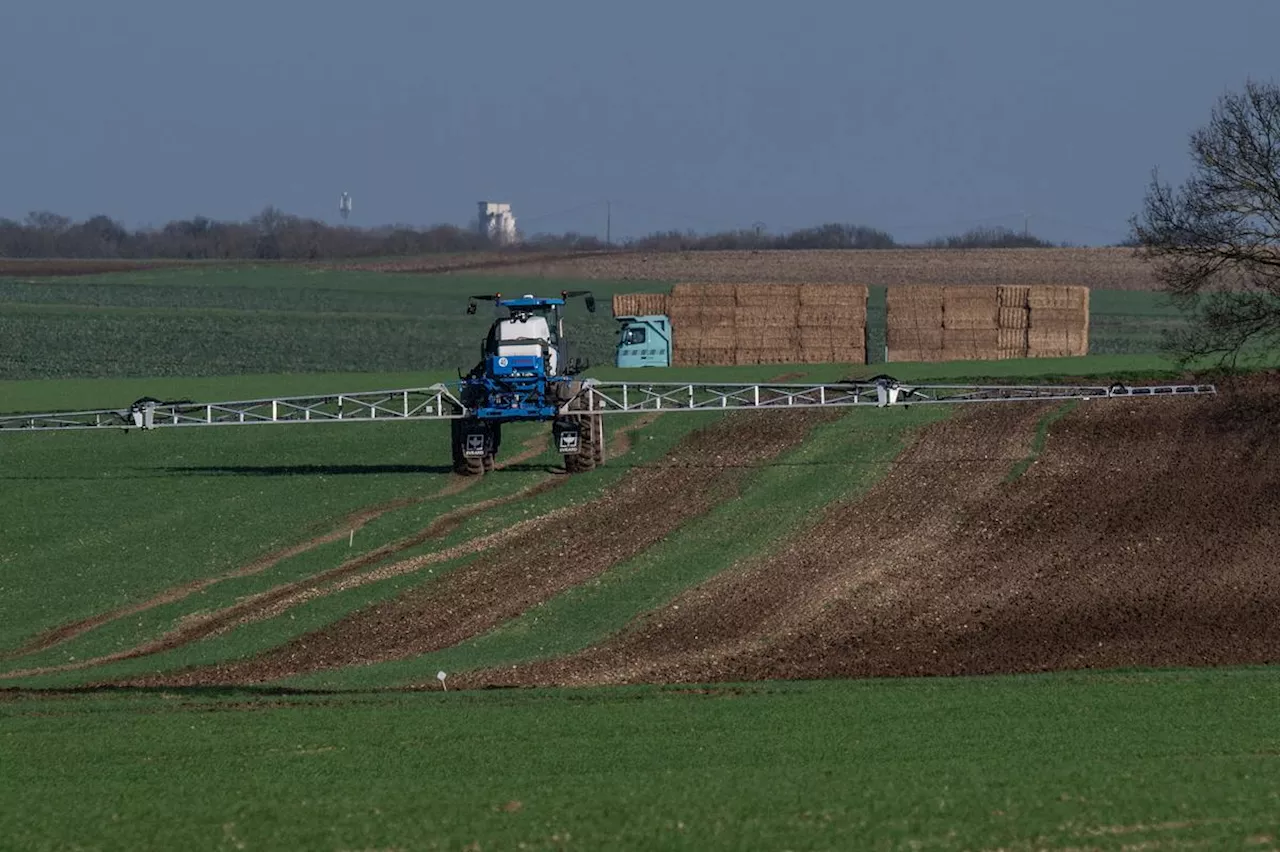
column 1145, row 535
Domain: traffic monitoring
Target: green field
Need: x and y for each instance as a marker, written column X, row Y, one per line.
column 95, row 522
column 219, row 321
column 1078, row 761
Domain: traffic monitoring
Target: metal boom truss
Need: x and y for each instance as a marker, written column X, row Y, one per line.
column 438, row 402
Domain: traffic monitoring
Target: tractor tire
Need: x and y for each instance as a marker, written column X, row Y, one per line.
column 584, row 460
column 463, row 465
column 489, row 462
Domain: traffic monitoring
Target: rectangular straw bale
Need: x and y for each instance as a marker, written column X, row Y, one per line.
column 970, row 338
column 910, row 353
column 1047, row 336
column 913, row 307
column 848, row 355
column 820, row 336
column 717, row 337
column 706, row 295
column 967, row 344
column 767, row 295
column 970, row 308
column 776, row 314
column 746, row 356
column 914, row 338
column 764, row 317
column 820, row 316
column 1058, row 296
column 1070, row 340
column 833, row 294
column 779, row 355
column 1014, row 317
column 713, row 317
column 685, row 317
column 816, row 354
column 718, row 293
column 1013, row 297
column 691, row 294
column 684, row 356
column 1057, row 318
column 639, row 304
column 1013, row 338
column 651, row 303
column 766, row 336
column 715, row 356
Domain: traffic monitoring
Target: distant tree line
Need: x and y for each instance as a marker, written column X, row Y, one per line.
column 991, row 238
column 275, row 235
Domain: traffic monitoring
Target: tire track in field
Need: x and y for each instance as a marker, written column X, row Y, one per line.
column 1144, row 536
column 352, row 523
column 348, row 575
column 533, row 561
column 741, row 613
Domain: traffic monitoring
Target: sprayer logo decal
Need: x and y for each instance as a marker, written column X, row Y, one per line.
column 502, row 362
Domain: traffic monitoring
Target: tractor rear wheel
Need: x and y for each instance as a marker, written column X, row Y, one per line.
column 585, row 459
column 464, row 465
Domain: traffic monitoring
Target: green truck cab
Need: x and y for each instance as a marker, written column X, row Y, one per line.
column 644, row 341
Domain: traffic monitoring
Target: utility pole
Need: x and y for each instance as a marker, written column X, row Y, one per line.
column 608, row 222
column 1026, row 225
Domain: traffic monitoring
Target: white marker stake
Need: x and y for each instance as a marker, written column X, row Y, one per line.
column 440, row 677
column 351, row 539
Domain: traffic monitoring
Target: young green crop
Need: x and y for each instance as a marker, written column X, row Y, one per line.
column 1075, row 761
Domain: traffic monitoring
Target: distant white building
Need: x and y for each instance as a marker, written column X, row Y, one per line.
column 497, row 222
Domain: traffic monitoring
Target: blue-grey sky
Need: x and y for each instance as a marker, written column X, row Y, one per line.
column 922, row 117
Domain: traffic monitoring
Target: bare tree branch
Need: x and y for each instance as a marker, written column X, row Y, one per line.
column 1214, row 242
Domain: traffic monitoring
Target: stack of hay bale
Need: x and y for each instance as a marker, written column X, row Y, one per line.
column 970, row 323
column 913, row 323
column 832, row 323
column 716, row 324
column 639, row 304
column 710, row 309
column 765, row 324
column 1058, row 322
column 977, row 323
column 1014, row 319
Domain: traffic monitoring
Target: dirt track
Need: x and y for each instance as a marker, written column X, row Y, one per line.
column 1145, row 536
column 549, row 555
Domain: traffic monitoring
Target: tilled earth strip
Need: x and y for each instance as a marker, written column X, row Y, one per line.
column 701, row 633
column 549, row 556
column 1145, row 536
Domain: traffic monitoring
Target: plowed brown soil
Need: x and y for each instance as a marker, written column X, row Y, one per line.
column 550, row 555
column 1100, row 268
column 1146, row 535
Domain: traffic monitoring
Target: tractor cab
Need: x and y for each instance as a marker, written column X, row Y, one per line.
column 526, row 343
column 526, row 337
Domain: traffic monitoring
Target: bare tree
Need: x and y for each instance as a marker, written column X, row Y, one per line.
column 1215, row 241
